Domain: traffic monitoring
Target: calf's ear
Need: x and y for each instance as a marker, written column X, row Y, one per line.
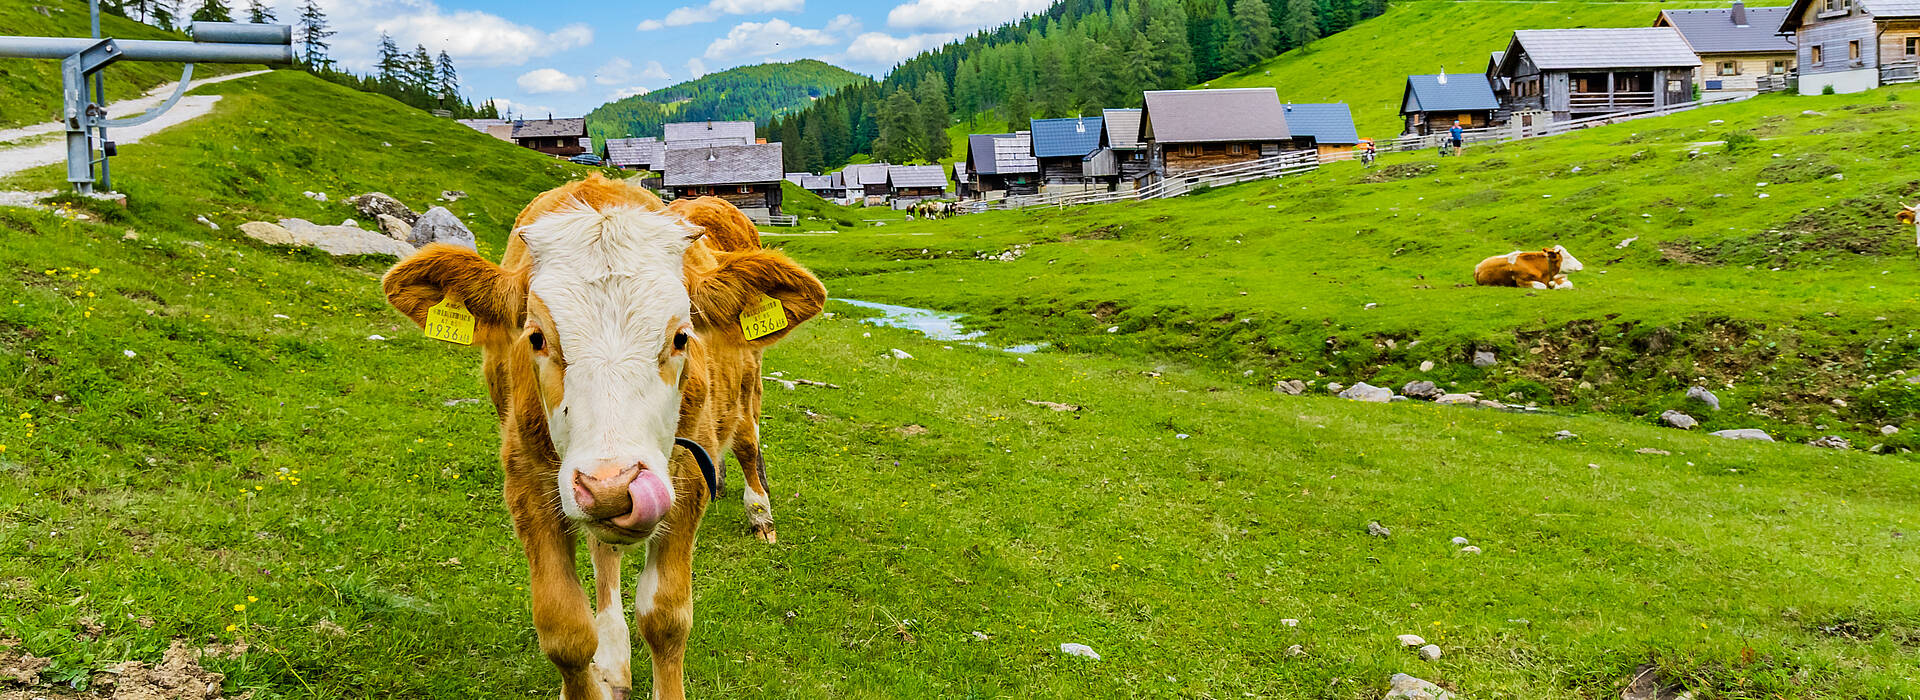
column 721, row 294
column 722, row 223
column 439, row 271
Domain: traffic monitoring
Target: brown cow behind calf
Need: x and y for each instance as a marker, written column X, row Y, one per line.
column 612, row 326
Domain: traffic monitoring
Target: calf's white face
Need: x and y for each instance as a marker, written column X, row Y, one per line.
column 608, row 329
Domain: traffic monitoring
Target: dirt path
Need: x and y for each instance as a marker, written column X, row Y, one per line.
column 46, row 151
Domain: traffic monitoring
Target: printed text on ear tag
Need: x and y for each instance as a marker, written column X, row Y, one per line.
column 763, row 317
column 449, row 321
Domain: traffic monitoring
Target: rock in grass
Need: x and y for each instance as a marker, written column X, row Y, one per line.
column 337, row 240
column 392, row 225
column 1653, row 451
column 1460, row 541
column 1700, row 394
column 1426, row 366
column 1335, row 387
column 1743, row 434
column 440, row 226
column 1454, row 399
column 1484, row 359
column 1423, row 390
column 1889, row 430
column 901, row 354
column 1469, row 549
column 1831, row 442
column 1405, row 687
column 1363, row 391
column 270, row 234
column 1296, row 650
column 1077, row 649
column 1430, row 652
column 1566, row 435
column 1679, row 420
column 1411, row 640
column 1377, row 530
column 1291, row 387
column 377, row 204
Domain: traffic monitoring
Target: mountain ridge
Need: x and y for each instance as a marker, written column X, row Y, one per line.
column 756, row 92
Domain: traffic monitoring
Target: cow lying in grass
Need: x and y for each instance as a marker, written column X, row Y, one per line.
column 1544, row 269
column 631, row 312
column 1908, row 216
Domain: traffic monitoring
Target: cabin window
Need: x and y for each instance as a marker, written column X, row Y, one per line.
column 1139, row 155
column 1913, row 46
column 1779, row 68
column 744, row 189
column 1815, row 58
column 1729, row 67
column 1236, row 149
column 1189, row 151
column 1827, row 6
column 1853, row 50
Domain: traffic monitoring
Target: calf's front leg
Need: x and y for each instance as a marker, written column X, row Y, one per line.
column 613, row 661
column 754, row 497
column 663, row 603
column 560, row 614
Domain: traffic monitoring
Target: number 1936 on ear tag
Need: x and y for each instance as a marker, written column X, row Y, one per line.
column 450, row 321
column 763, row 317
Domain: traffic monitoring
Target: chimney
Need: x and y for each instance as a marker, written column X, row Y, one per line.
column 1443, row 76
column 1739, row 13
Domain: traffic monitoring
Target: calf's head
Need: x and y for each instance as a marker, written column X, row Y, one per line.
column 597, row 324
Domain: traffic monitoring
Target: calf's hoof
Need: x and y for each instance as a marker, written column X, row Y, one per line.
column 764, row 532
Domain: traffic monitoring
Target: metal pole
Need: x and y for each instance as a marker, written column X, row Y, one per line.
column 100, row 98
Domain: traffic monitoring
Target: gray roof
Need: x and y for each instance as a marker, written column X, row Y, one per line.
column 960, row 170
column 980, row 153
column 917, row 176
column 1877, row 8
column 736, row 132
column 547, row 128
column 723, row 165
column 1574, row 49
column 481, row 125
column 862, row 174
column 1070, row 136
column 1234, row 114
column 706, row 143
column 1427, row 93
column 1713, row 30
column 1329, row 123
column 1493, row 61
column 1013, row 154
column 1123, row 128
column 816, row 182
column 639, row 152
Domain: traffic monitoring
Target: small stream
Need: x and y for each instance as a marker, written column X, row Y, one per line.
column 935, row 325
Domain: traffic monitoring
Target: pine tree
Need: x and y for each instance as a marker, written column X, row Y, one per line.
column 213, row 11
column 420, row 71
column 165, row 12
column 899, row 127
column 313, row 36
column 1205, row 35
column 1014, row 108
column 1301, row 26
column 934, row 117
column 260, row 13
column 1052, row 86
column 387, row 62
column 447, row 78
column 1172, row 57
column 1253, row 34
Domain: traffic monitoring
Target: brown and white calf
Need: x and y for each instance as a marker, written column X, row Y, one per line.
column 1543, row 269
column 611, row 327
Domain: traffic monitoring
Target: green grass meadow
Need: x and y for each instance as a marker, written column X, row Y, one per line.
column 204, row 440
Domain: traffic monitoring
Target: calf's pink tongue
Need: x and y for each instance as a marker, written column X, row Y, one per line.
column 651, row 500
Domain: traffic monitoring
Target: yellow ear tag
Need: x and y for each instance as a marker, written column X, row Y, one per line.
column 449, row 321
column 763, row 317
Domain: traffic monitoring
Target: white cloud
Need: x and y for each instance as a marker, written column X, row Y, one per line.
column 960, row 14
column 754, row 39
column 696, row 68
column 620, row 71
column 548, row 80
column 886, row 49
column 683, row 16
column 626, row 92
column 843, row 24
column 471, row 37
column 654, row 71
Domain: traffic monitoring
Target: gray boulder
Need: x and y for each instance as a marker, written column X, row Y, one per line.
column 1831, row 442
column 1454, row 399
column 440, row 226
column 1700, row 394
column 1362, row 391
column 376, row 204
column 1889, row 430
column 337, row 240
column 1405, row 687
column 394, row 227
column 1423, row 390
column 1291, row 387
column 1743, row 434
column 1679, row 420
column 1484, row 359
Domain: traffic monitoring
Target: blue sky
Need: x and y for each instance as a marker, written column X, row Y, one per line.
column 568, row 56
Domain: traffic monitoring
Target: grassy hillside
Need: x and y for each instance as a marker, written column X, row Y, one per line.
column 1366, row 66
column 180, row 462
column 756, row 92
column 30, row 89
column 1771, row 271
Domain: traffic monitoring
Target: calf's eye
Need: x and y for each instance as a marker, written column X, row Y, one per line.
column 680, row 340
column 537, row 340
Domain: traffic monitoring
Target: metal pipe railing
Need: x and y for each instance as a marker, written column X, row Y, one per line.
column 147, row 50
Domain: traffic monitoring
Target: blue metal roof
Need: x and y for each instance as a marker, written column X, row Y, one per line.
column 1326, row 123
column 1466, row 91
column 1072, row 136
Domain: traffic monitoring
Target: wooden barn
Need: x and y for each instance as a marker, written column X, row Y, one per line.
column 915, row 182
column 866, row 182
column 678, row 135
column 819, row 184
column 1431, row 103
column 555, row 137
column 1576, row 73
column 1738, row 47
column 1192, row 130
column 1002, row 163
column 1069, row 151
column 1854, row 45
column 1120, row 133
column 747, row 176
column 1327, row 128
column 636, row 153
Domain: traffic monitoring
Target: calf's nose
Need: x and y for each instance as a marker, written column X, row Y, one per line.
column 602, row 491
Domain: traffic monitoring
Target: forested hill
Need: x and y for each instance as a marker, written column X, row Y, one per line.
column 756, row 92
column 1078, row 56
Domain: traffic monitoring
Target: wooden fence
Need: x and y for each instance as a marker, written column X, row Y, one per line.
column 1513, row 130
column 1274, row 166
